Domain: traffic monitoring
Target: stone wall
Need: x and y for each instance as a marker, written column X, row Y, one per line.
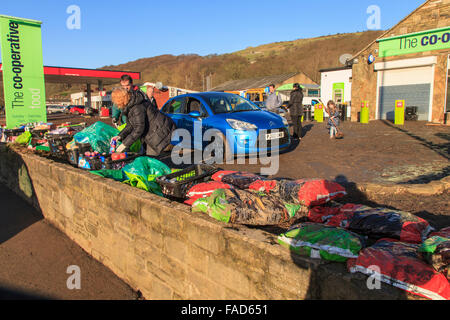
column 162, row 249
column 432, row 15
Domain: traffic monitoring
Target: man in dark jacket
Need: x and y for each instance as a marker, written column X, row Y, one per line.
column 144, row 122
column 296, row 110
column 126, row 82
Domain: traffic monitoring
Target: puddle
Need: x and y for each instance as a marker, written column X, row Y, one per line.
column 414, row 174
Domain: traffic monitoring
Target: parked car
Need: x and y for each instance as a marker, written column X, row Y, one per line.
column 80, row 109
column 246, row 124
column 55, row 109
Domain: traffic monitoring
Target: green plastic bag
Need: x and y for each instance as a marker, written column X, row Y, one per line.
column 98, row 135
column 142, row 173
column 216, row 206
column 136, row 146
column 117, row 175
column 24, row 138
column 322, row 242
column 430, row 245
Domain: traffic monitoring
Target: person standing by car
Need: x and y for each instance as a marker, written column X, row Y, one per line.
column 151, row 98
column 273, row 101
column 144, row 122
column 295, row 107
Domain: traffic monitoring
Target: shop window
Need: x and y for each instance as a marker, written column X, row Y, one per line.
column 338, row 95
column 313, row 93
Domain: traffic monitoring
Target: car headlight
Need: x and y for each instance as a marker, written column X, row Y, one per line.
column 285, row 122
column 241, row 125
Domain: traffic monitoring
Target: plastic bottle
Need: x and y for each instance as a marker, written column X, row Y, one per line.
column 113, row 146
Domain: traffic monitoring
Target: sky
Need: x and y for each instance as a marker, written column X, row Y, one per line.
column 115, row 32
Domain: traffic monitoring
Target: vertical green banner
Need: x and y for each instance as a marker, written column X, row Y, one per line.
column 23, row 71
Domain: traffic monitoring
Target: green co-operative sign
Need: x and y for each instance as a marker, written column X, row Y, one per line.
column 23, row 71
column 438, row 39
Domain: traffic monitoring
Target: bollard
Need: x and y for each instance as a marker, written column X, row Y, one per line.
column 318, row 112
column 399, row 112
column 364, row 116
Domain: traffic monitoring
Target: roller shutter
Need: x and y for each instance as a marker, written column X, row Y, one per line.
column 410, row 84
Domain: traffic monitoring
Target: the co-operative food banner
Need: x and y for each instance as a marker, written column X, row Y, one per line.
column 23, row 71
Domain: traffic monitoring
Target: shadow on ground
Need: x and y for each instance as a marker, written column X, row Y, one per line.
column 443, row 149
column 15, row 214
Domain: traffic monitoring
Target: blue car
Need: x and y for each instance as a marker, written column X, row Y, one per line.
column 246, row 128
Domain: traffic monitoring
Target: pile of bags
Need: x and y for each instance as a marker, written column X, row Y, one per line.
column 246, row 198
column 402, row 253
column 394, row 246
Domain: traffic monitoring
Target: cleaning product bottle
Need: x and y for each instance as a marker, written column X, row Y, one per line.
column 113, row 146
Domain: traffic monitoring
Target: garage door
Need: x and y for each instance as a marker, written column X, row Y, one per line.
column 412, row 85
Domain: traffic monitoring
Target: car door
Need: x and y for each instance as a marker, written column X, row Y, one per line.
column 174, row 108
column 195, row 126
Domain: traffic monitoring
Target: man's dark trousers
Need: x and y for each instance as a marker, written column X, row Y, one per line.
column 297, row 124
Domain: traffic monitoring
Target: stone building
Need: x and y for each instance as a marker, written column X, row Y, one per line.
column 409, row 62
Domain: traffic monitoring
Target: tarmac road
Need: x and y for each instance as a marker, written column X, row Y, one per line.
column 35, row 256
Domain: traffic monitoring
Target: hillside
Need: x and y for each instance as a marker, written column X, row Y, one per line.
column 187, row 71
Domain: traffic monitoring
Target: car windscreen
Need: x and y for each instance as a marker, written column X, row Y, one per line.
column 229, row 104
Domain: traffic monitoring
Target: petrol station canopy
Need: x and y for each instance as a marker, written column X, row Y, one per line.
column 82, row 76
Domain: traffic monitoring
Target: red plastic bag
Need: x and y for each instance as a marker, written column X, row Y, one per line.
column 399, row 264
column 220, row 174
column 322, row 214
column 203, row 190
column 309, row 192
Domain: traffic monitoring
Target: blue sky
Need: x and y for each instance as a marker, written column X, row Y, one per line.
column 115, row 32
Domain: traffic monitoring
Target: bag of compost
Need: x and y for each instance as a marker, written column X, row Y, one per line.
column 377, row 223
column 445, row 233
column 203, row 190
column 436, row 251
column 322, row 242
column 246, row 207
column 309, row 192
column 400, row 265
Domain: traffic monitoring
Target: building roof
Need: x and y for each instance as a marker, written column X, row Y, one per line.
column 245, row 84
column 290, row 86
column 335, row 69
